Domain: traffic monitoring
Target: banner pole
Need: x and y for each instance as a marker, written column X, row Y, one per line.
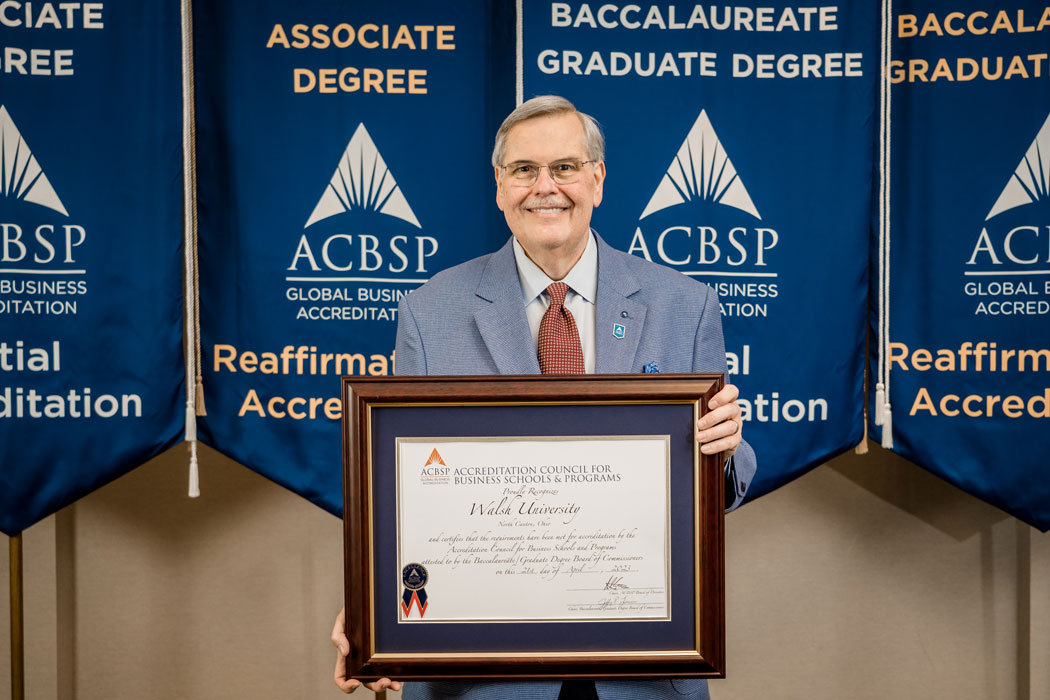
column 17, row 628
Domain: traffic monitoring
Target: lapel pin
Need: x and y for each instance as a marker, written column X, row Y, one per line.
column 618, row 330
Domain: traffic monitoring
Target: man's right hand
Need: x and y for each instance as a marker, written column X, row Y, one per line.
column 342, row 645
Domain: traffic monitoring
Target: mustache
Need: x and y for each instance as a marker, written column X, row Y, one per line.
column 546, row 203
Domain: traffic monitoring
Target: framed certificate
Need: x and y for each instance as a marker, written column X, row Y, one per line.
column 503, row 527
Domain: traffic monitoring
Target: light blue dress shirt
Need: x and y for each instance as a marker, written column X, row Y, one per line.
column 583, row 290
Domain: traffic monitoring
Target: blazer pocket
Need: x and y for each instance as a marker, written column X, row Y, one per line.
column 687, row 686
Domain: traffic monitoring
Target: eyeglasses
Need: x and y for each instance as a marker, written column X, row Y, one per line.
column 565, row 171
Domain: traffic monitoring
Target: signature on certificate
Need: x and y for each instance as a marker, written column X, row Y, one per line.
column 615, row 583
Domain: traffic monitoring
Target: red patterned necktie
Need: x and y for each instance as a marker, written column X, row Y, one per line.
column 560, row 351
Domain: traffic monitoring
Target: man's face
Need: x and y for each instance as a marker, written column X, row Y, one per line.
column 548, row 219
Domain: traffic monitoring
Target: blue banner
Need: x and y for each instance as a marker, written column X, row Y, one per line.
column 967, row 345
column 90, row 256
column 740, row 145
column 343, row 159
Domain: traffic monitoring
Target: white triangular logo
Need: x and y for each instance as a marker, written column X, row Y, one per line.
column 701, row 170
column 362, row 180
column 1031, row 179
column 20, row 174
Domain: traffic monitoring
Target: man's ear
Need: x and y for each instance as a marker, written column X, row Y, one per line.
column 599, row 182
column 499, row 189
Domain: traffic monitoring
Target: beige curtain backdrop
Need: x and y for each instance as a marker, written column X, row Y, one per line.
column 866, row 579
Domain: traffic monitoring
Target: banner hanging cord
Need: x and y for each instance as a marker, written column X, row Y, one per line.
column 201, row 410
column 883, row 410
column 194, row 393
column 519, row 55
column 880, row 388
column 887, row 414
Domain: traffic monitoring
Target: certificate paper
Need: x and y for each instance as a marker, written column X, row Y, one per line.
column 533, row 529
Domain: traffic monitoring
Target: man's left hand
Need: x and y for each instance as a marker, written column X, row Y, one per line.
column 342, row 645
column 721, row 427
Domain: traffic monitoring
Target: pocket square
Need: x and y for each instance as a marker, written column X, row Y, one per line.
column 651, row 368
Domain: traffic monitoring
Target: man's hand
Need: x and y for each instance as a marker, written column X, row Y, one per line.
column 721, row 427
column 342, row 646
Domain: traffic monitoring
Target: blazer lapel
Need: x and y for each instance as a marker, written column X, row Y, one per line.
column 502, row 323
column 618, row 320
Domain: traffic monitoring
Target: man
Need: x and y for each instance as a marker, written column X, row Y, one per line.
column 550, row 300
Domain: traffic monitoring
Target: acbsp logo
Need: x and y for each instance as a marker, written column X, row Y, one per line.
column 1027, row 244
column 702, row 171
column 22, row 179
column 435, row 471
column 362, row 182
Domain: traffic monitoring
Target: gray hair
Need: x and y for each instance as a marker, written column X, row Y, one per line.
column 545, row 106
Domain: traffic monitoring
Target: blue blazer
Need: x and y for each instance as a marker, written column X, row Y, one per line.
column 470, row 319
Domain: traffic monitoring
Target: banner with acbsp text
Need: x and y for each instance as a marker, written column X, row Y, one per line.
column 343, row 159
column 91, row 374
column 968, row 343
column 740, row 152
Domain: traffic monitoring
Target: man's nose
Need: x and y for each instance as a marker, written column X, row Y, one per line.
column 544, row 182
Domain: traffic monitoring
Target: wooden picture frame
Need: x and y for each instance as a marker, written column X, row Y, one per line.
column 384, row 417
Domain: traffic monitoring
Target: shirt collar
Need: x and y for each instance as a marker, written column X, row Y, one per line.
column 582, row 278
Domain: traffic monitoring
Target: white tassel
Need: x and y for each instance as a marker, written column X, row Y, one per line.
column 887, row 427
column 880, row 402
column 191, row 440
column 195, row 480
column 191, row 423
